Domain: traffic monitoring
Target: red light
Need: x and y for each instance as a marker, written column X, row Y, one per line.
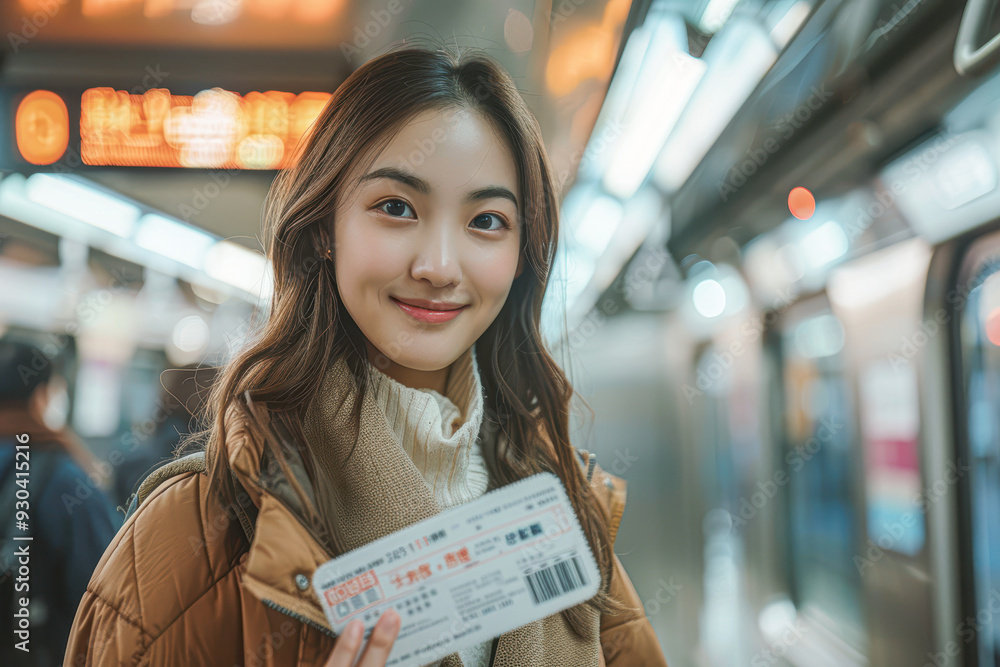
column 993, row 326
column 801, row 203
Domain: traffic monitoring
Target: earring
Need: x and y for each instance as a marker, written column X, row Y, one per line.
column 327, row 255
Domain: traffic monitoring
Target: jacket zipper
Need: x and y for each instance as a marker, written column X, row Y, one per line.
column 493, row 654
column 299, row 617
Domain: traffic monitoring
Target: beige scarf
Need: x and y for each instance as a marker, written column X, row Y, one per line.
column 383, row 491
column 440, row 432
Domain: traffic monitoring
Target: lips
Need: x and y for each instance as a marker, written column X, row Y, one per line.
column 432, row 312
column 438, row 306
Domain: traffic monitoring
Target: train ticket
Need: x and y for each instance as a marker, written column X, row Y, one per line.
column 470, row 573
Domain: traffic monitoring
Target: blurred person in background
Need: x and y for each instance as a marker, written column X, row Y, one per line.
column 182, row 392
column 364, row 406
column 71, row 520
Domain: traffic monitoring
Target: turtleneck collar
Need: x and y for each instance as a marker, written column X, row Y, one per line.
column 440, row 432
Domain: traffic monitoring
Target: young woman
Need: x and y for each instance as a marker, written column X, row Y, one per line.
column 400, row 371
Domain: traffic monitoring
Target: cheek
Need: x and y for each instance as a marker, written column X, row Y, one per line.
column 364, row 260
column 494, row 276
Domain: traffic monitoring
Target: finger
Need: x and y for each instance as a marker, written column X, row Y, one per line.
column 345, row 648
column 381, row 640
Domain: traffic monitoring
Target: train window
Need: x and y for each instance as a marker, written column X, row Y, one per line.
column 822, row 521
column 979, row 327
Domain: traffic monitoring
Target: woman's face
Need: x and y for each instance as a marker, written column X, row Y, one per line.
column 427, row 245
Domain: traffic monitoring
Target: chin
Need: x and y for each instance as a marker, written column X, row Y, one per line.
column 415, row 357
column 429, row 361
column 423, row 365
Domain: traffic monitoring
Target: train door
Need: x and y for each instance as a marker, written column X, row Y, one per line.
column 819, row 451
column 879, row 298
column 976, row 470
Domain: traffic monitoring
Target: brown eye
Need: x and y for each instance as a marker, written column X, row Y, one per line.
column 485, row 219
column 395, row 207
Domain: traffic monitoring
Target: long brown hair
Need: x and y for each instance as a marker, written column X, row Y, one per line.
column 308, row 328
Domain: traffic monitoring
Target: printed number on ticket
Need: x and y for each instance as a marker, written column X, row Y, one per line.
column 467, row 574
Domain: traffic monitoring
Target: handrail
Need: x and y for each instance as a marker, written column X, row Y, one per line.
column 970, row 59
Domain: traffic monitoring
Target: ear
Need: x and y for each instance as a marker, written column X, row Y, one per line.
column 38, row 400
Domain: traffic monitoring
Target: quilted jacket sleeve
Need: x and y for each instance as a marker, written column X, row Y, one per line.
column 102, row 635
column 627, row 639
column 164, row 590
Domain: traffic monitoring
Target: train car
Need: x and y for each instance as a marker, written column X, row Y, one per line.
column 827, row 324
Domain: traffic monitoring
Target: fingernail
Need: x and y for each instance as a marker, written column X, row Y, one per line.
column 355, row 630
column 393, row 620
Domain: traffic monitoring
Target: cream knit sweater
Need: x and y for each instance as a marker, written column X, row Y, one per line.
column 440, row 434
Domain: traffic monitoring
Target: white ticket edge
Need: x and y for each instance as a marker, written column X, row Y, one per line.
column 357, row 559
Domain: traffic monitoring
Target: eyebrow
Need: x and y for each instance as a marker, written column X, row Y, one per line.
column 421, row 186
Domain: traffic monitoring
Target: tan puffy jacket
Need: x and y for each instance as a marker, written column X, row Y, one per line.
column 186, row 583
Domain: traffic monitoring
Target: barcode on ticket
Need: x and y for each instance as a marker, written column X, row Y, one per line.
column 469, row 573
column 555, row 580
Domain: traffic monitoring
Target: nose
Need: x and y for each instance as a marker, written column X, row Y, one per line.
column 436, row 257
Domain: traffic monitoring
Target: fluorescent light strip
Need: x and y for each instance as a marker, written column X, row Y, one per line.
column 174, row 240
column 240, row 267
column 84, row 203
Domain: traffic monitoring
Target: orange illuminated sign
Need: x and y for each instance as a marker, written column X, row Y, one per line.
column 41, row 127
column 215, row 129
column 303, row 11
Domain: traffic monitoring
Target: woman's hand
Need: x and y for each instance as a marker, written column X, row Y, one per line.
column 345, row 649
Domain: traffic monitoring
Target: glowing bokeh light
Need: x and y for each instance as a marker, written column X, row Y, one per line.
column 216, row 128
column 993, row 326
column 210, row 12
column 801, row 203
column 709, row 298
column 41, row 127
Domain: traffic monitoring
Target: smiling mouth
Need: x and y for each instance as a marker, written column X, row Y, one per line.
column 428, row 315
